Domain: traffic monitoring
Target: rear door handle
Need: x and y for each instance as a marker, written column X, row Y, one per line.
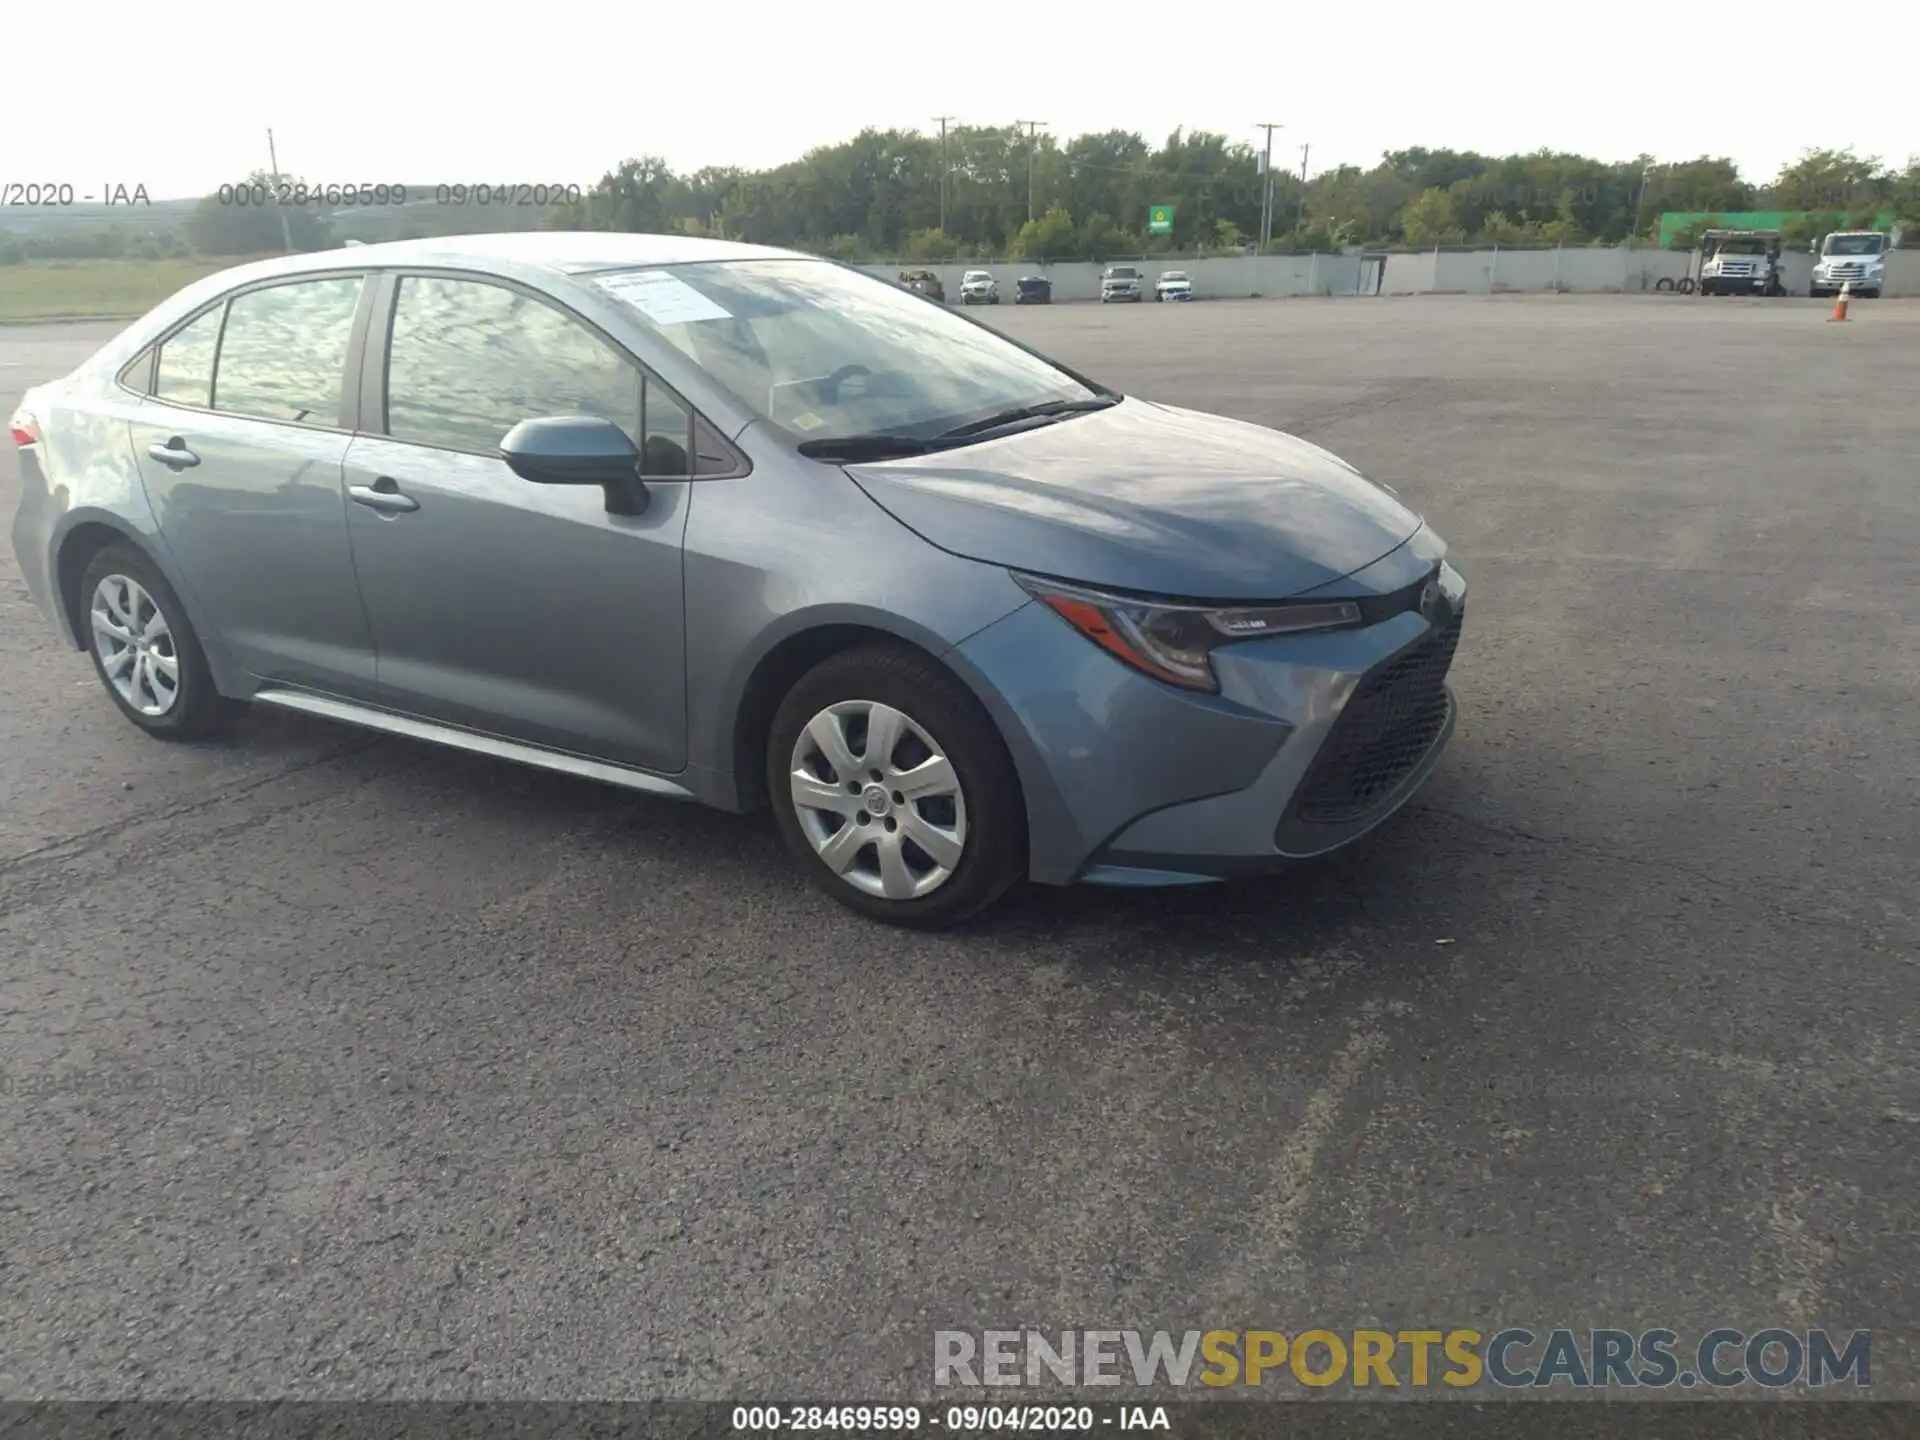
column 174, row 454
column 383, row 495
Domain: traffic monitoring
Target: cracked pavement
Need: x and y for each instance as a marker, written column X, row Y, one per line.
column 337, row 1066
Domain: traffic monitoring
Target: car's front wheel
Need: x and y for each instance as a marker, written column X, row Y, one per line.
column 894, row 790
column 145, row 651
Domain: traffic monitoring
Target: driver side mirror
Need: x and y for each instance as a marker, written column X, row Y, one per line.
column 578, row 450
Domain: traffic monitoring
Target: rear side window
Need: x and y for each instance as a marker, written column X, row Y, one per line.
column 284, row 354
column 185, row 373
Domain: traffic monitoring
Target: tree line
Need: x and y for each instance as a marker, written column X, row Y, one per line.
column 993, row 193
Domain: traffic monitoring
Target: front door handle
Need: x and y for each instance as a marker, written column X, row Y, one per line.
column 174, row 454
column 383, row 495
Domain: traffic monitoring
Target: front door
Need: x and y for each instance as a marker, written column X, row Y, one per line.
column 520, row 610
column 239, row 448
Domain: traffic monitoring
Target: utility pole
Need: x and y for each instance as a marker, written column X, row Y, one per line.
column 943, row 119
column 1640, row 200
column 1031, row 125
column 1266, row 196
column 273, row 162
column 1301, row 220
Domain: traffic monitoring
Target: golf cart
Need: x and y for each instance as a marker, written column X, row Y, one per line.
column 1740, row 262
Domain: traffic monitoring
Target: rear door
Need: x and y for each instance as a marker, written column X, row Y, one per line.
column 520, row 610
column 240, row 441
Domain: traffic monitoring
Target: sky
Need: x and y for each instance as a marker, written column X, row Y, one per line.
column 360, row 92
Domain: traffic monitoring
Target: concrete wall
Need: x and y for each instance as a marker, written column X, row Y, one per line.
column 1575, row 269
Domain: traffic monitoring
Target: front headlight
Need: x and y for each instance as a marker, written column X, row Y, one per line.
column 1172, row 642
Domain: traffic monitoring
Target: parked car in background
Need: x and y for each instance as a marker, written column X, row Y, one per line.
column 1033, row 290
column 1121, row 282
column 1173, row 285
column 978, row 287
column 924, row 282
column 740, row 526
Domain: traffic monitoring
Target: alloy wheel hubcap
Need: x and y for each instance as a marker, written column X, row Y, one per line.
column 135, row 644
column 879, row 800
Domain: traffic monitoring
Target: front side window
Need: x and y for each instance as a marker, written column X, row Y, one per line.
column 470, row 360
column 185, row 373
column 284, row 353
column 824, row 352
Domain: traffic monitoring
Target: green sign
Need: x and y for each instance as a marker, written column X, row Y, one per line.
column 1159, row 219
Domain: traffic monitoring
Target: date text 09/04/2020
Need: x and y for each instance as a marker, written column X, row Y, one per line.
column 964, row 1419
column 302, row 194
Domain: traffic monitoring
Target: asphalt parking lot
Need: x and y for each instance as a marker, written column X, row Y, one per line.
column 341, row 1066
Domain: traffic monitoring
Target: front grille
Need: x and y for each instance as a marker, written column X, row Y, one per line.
column 1386, row 729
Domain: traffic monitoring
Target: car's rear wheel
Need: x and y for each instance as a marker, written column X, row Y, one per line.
column 146, row 651
column 894, row 790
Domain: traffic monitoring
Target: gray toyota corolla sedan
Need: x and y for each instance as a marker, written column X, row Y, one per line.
column 745, row 527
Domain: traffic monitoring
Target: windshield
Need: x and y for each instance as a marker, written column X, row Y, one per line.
column 1854, row 245
column 1740, row 247
column 977, row 275
column 1174, row 275
column 1123, row 272
column 823, row 352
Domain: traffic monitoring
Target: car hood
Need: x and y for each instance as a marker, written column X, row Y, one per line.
column 1149, row 498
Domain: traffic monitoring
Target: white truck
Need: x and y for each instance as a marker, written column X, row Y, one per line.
column 1851, row 257
column 1740, row 262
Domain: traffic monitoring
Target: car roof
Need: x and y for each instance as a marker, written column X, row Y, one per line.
column 566, row 252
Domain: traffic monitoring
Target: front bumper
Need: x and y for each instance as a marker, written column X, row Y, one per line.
column 1314, row 740
column 1121, row 294
column 1176, row 294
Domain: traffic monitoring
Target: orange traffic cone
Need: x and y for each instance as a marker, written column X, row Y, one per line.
column 1840, row 301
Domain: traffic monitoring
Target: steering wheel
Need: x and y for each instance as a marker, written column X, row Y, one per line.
column 830, row 387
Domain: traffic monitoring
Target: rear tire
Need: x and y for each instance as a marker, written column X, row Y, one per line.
column 145, row 650
column 936, row 827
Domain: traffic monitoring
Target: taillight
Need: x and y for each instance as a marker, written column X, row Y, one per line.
column 24, row 430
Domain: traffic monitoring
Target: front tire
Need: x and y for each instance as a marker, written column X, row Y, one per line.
column 145, row 650
column 894, row 791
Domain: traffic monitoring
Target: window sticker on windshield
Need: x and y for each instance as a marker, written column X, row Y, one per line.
column 807, row 420
column 663, row 298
